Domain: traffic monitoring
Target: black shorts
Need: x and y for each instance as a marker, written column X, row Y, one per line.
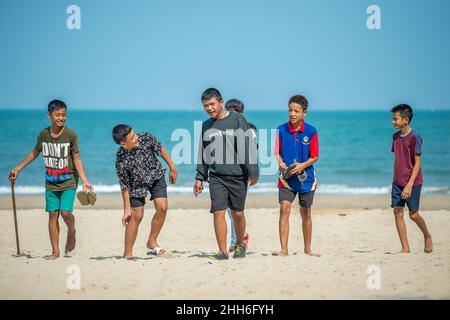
column 413, row 202
column 305, row 199
column 227, row 192
column 157, row 190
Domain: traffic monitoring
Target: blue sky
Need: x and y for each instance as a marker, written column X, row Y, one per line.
column 161, row 54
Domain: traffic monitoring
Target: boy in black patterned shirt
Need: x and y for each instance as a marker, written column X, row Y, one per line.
column 139, row 172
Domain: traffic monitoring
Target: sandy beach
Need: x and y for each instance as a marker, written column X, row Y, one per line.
column 353, row 233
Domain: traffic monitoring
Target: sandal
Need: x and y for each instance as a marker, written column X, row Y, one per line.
column 240, row 251
column 157, row 251
column 91, row 197
column 83, row 198
column 218, row 256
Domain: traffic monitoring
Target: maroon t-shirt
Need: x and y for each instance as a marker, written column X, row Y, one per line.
column 404, row 149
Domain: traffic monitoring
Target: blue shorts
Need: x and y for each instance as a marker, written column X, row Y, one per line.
column 412, row 202
column 59, row 200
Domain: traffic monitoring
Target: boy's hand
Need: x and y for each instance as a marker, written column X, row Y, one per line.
column 173, row 176
column 87, row 186
column 253, row 181
column 407, row 192
column 126, row 218
column 282, row 167
column 13, row 175
column 299, row 167
column 198, row 187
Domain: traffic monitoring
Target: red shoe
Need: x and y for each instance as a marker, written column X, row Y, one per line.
column 246, row 241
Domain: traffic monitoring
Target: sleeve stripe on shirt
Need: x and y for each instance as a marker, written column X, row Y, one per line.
column 314, row 146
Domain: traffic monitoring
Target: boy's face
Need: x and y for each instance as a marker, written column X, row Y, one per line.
column 296, row 113
column 398, row 121
column 213, row 107
column 131, row 141
column 58, row 117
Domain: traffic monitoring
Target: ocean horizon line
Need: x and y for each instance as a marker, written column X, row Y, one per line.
column 199, row 109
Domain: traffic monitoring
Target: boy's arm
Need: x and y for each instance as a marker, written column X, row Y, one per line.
column 202, row 172
column 202, row 167
column 122, row 176
column 281, row 165
column 277, row 152
column 80, row 169
column 251, row 152
column 28, row 159
column 408, row 188
column 302, row 166
column 126, row 207
column 173, row 170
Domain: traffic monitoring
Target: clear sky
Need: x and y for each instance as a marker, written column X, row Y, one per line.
column 161, row 54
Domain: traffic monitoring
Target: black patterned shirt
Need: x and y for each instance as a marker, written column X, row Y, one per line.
column 138, row 168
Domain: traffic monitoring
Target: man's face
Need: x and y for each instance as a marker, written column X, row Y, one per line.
column 58, row 117
column 131, row 141
column 213, row 107
column 296, row 113
column 397, row 121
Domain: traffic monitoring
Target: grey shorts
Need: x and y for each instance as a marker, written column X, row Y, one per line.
column 157, row 190
column 305, row 199
column 227, row 192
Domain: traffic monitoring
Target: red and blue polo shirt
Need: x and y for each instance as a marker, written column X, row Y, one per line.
column 297, row 145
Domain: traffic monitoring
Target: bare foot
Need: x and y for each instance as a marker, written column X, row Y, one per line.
column 128, row 256
column 151, row 245
column 71, row 241
column 280, row 253
column 405, row 251
column 52, row 256
column 428, row 245
column 312, row 254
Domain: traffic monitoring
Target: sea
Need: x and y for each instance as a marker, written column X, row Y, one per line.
column 354, row 146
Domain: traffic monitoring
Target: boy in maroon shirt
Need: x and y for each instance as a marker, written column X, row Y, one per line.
column 407, row 182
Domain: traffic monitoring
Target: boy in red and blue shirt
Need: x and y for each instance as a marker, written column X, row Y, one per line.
column 408, row 179
column 297, row 149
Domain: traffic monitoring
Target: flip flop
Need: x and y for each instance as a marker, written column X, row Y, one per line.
column 91, row 197
column 83, row 198
column 157, row 251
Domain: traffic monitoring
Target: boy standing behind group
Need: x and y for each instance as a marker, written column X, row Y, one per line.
column 235, row 105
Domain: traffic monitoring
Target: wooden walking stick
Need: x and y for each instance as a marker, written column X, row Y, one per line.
column 15, row 217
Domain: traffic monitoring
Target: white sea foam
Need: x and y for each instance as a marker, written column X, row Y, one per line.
column 260, row 188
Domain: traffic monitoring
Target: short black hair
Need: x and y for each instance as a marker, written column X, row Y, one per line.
column 120, row 132
column 404, row 110
column 299, row 99
column 235, row 105
column 211, row 93
column 56, row 104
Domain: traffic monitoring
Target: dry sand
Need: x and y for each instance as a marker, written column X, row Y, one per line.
column 351, row 232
